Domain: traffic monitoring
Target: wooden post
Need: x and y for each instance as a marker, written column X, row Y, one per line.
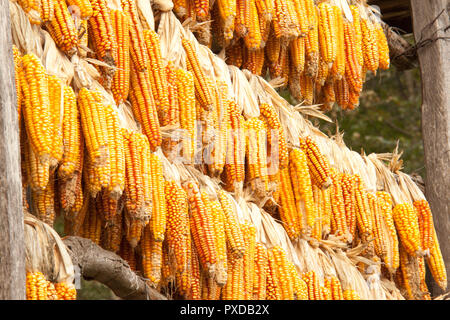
column 435, row 71
column 12, row 252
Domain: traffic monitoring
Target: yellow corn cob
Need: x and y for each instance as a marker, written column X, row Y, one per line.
column 299, row 286
column 158, row 77
column 138, row 47
column 381, row 243
column 249, row 235
column 173, row 116
column 363, row 215
column 178, row 233
column 297, row 53
column 341, row 91
column 202, row 228
column 302, row 17
column 285, row 22
column 273, row 49
column 65, row 291
column 254, row 61
column 36, row 106
column 301, row 185
column 218, row 216
column 151, row 257
column 319, row 203
column 348, row 193
column 319, row 166
column 338, row 68
column 202, row 89
column 265, row 9
column 312, row 282
column 195, row 276
column 28, row 5
column 36, row 286
column 383, row 47
column 242, row 15
column 291, row 218
column 94, row 125
column 256, row 155
column 234, row 288
column 273, row 285
column 144, row 107
column 201, row 9
column 121, row 80
column 18, row 75
column 285, row 281
column 358, row 34
column 338, row 220
column 253, row 39
column 186, row 101
column 265, row 20
column 46, row 10
column 350, row 294
column 426, row 225
column 352, row 67
column 101, row 29
column 422, row 273
column 407, row 225
column 112, row 232
column 56, row 94
column 369, row 45
column 385, row 202
column 235, row 54
column 91, row 177
column 234, row 172
column 312, row 43
column 328, row 33
column 62, row 28
column 116, row 153
column 325, row 293
column 71, row 134
column 45, row 203
column 334, row 285
column 235, row 240
column 158, row 219
column 92, row 224
column 134, row 190
column 260, row 275
column 307, row 89
column 436, row 263
column 227, row 12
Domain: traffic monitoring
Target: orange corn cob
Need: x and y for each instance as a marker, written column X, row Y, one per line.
column 407, row 225
column 101, row 29
column 62, row 28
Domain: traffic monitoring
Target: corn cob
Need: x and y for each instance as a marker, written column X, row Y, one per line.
column 259, row 278
column 299, row 286
column 56, row 94
column 358, row 34
column 312, row 44
column 307, row 89
column 254, row 61
column 36, row 286
column 195, row 276
column 302, row 17
column 409, row 273
column 201, row 228
column 249, row 235
column 341, row 91
column 319, row 203
column 253, row 39
column 301, row 186
column 283, row 270
column 319, row 166
column 407, row 225
column 202, row 89
column 173, row 115
column 181, row 8
column 116, row 153
column 369, row 45
column 385, row 203
column 92, row 225
column 265, row 19
column 62, row 28
column 436, row 263
column 348, row 193
column 201, row 9
column 235, row 54
column 121, row 80
column 325, row 293
column 178, row 233
column 312, row 282
column 334, row 285
column 291, row 218
column 36, row 106
column 383, row 47
column 45, row 203
column 297, row 53
column 256, row 155
column 112, row 215
column 338, row 220
column 65, row 291
column 273, row 286
column 242, row 15
column 350, row 294
column 423, row 285
column 227, row 11
column 94, row 125
column 426, row 226
column 151, row 257
column 38, row 173
column 186, row 101
column 127, row 253
column 285, row 22
column 18, row 74
column 101, row 29
column 381, row 242
column 158, row 219
column 352, row 67
column 339, row 65
column 327, row 33
column 71, row 135
column 363, row 215
column 234, row 288
column 143, row 105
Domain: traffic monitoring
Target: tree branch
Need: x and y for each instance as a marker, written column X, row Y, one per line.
column 109, row 269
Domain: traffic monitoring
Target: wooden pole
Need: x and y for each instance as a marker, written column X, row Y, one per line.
column 12, row 253
column 435, row 70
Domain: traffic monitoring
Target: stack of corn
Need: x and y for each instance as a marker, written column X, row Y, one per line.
column 321, row 49
column 104, row 153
